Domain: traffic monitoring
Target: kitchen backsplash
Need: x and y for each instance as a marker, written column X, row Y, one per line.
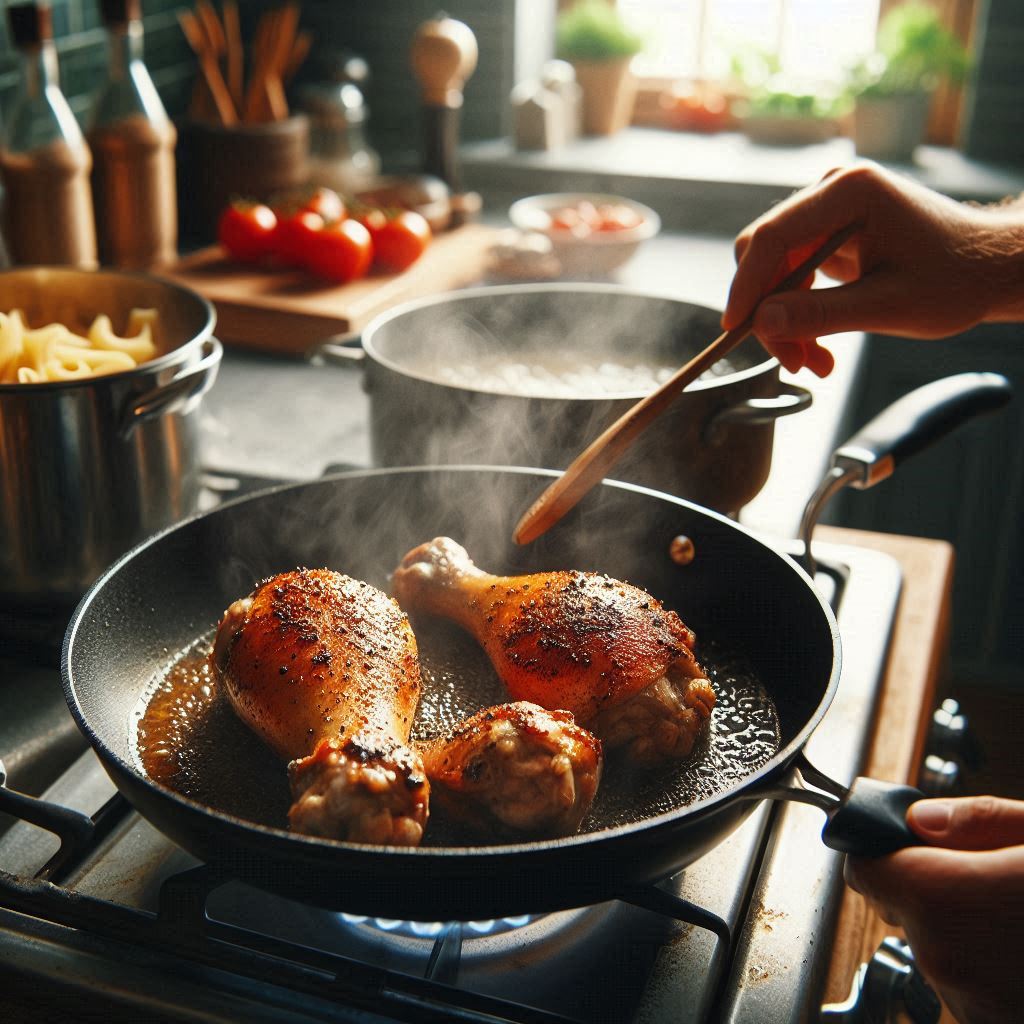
column 380, row 32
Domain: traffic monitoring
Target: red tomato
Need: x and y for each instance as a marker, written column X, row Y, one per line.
column 246, row 230
column 295, row 237
column 326, row 202
column 341, row 252
column 399, row 240
column 617, row 217
column 323, row 201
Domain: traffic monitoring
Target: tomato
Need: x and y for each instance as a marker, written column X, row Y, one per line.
column 295, row 236
column 584, row 217
column 616, row 217
column 327, row 203
column 246, row 230
column 341, row 252
column 399, row 240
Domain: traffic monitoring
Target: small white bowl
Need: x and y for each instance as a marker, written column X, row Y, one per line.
column 597, row 253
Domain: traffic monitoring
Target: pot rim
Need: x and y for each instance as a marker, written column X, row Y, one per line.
column 768, row 364
column 161, row 362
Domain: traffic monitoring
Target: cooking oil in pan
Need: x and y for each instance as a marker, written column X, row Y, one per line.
column 188, row 738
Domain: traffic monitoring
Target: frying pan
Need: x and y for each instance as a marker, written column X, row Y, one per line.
column 738, row 590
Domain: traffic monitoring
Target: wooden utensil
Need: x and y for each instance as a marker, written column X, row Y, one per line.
column 198, row 38
column 592, row 465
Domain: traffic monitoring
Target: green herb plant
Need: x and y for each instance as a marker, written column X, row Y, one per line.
column 915, row 53
column 593, row 30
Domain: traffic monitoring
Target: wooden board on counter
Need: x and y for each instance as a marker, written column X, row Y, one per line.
column 908, row 696
column 289, row 311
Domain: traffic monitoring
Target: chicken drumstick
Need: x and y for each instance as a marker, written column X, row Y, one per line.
column 324, row 668
column 603, row 650
column 516, row 768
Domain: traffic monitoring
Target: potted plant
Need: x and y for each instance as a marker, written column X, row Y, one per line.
column 593, row 37
column 776, row 110
column 892, row 89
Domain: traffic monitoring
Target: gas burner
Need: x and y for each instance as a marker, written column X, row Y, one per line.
column 432, row 929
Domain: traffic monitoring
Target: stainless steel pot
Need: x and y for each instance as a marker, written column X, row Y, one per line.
column 713, row 446
column 91, row 466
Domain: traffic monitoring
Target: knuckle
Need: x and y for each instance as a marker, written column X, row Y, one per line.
column 980, row 812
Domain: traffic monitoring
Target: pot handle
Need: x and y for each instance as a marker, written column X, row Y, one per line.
column 345, row 350
column 910, row 424
column 180, row 394
column 758, row 411
column 869, row 819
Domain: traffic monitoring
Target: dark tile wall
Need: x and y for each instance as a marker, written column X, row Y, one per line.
column 380, row 31
column 82, row 50
column 995, row 127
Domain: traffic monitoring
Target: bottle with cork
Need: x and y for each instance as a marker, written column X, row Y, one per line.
column 132, row 141
column 44, row 159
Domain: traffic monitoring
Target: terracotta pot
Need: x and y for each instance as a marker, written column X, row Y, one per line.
column 609, row 92
column 890, row 127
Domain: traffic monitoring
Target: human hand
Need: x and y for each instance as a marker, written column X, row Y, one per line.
column 960, row 901
column 922, row 266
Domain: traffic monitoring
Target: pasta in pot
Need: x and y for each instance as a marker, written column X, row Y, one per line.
column 54, row 352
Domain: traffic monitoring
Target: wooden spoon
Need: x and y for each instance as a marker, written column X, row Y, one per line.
column 591, row 466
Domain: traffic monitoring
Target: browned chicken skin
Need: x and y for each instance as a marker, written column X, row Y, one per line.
column 516, row 768
column 324, row 668
column 601, row 649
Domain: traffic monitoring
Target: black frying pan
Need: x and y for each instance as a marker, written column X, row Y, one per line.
column 738, row 591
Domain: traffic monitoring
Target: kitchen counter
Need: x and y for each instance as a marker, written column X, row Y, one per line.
column 320, row 413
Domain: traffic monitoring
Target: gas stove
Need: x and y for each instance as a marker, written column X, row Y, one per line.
column 118, row 923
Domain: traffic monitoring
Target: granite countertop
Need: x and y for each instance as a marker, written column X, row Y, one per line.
column 320, row 413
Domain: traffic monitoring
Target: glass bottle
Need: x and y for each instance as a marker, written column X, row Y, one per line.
column 44, row 159
column 132, row 141
column 339, row 155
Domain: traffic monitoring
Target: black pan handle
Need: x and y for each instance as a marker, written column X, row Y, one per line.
column 917, row 420
column 868, row 820
column 907, row 426
column 871, row 820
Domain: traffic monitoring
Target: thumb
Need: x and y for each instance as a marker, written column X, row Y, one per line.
column 969, row 823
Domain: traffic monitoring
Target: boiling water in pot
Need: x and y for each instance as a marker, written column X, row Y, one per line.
column 187, row 737
column 555, row 375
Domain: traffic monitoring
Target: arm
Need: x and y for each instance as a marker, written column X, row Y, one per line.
column 960, row 900
column 924, row 265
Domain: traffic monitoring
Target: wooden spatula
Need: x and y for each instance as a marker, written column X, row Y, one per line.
column 592, row 465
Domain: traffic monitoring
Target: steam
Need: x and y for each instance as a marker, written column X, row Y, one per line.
column 420, row 419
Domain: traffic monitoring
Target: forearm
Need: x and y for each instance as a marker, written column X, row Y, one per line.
column 1001, row 246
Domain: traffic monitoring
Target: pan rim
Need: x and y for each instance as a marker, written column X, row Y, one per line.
column 619, row 833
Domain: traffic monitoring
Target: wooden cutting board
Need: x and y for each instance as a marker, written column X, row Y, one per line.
column 289, row 311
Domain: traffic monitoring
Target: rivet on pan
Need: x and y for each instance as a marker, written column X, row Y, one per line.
column 681, row 550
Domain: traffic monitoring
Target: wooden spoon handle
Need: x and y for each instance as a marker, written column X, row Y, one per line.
column 591, row 466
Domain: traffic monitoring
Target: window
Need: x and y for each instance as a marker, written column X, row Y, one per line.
column 813, row 40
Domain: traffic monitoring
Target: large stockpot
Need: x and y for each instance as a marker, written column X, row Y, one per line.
column 713, row 446
column 91, row 466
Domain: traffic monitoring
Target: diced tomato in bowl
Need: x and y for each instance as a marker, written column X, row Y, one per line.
column 591, row 234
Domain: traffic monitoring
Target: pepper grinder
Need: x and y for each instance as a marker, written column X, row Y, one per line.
column 444, row 55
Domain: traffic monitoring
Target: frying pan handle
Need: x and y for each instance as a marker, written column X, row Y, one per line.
column 869, row 819
column 909, row 425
